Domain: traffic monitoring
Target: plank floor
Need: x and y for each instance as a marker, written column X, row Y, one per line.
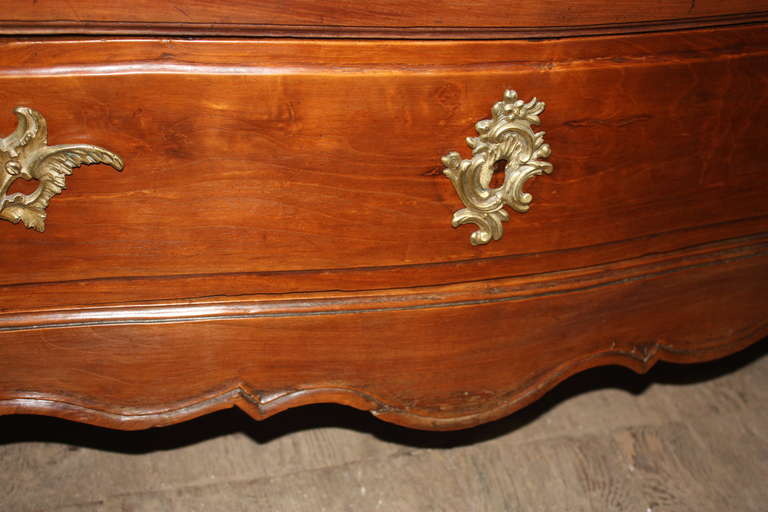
column 681, row 438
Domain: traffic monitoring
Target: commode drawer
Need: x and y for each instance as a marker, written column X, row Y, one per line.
column 280, row 231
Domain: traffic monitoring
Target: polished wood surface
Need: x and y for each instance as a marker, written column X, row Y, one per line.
column 484, row 19
column 674, row 440
column 280, row 234
column 243, row 179
column 440, row 366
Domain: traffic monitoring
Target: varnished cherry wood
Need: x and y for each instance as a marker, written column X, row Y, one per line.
column 483, row 19
column 248, row 179
column 436, row 367
column 281, row 232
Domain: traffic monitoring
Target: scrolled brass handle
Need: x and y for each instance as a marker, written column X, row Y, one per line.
column 507, row 136
column 25, row 154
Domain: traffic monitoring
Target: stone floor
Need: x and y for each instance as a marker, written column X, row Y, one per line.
column 681, row 438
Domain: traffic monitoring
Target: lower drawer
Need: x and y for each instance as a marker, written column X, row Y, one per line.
column 281, row 230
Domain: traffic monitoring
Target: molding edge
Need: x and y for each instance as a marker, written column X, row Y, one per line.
column 201, row 29
column 261, row 405
column 334, row 303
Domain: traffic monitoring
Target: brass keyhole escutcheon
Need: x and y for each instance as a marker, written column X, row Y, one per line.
column 508, row 138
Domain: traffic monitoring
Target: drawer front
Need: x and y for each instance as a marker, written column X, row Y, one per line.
column 283, row 166
column 280, row 232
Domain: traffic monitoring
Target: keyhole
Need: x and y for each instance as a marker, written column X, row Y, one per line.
column 497, row 179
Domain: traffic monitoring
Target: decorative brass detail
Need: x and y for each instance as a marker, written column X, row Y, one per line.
column 506, row 136
column 25, row 154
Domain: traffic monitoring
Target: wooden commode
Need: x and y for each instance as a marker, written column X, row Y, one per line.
column 432, row 211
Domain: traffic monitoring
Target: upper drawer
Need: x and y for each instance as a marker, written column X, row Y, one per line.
column 374, row 18
column 279, row 166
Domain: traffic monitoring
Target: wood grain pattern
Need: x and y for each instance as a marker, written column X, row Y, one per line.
column 676, row 439
column 280, row 234
column 485, row 19
column 444, row 367
column 262, row 178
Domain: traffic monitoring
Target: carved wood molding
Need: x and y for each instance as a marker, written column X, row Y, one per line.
column 534, row 286
column 206, row 28
column 261, row 405
column 111, row 336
